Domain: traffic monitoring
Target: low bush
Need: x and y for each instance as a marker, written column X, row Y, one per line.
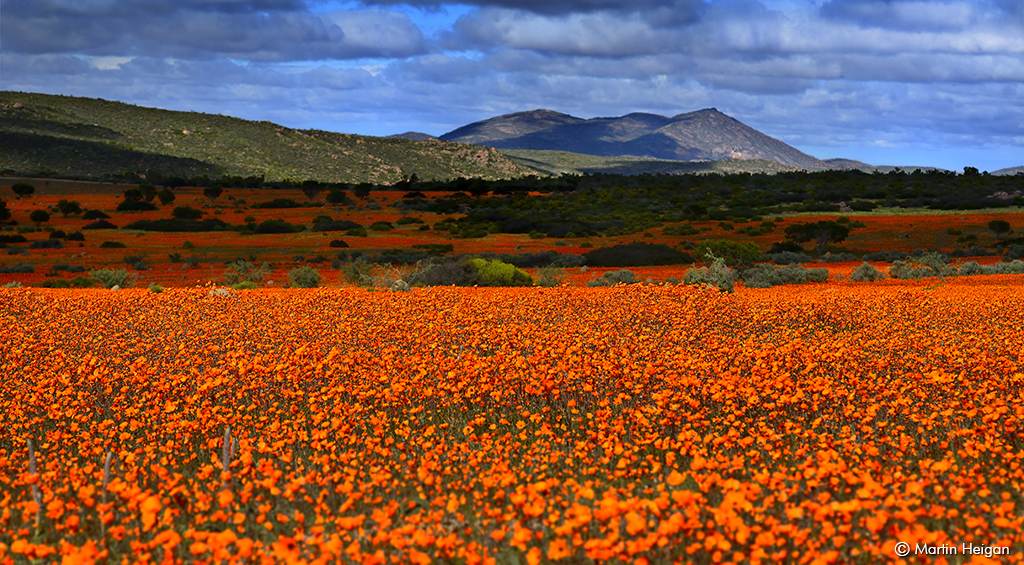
column 304, row 277
column 550, row 276
column 155, row 288
column 339, row 243
column 178, row 225
column 734, row 253
column 186, row 213
column 65, row 268
column 75, row 236
column 99, row 225
column 245, row 285
column 788, row 257
column 717, row 274
column 280, row 203
column 358, row 272
column 492, row 272
column 865, row 272
column 636, row 254
column 277, row 226
column 407, row 220
column 612, row 278
column 326, row 223
column 681, row 229
column 77, row 282
column 19, row 269
column 112, row 245
column 47, row 244
column 382, row 226
column 927, row 265
column 136, row 206
column 970, row 268
column 245, row 271
column 95, row 215
column 12, row 238
column 765, row 275
column 109, row 278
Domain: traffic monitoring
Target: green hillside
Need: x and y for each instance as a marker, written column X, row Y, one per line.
column 559, row 162
column 95, row 139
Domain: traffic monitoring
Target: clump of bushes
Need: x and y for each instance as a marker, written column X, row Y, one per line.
column 279, row 203
column 866, row 273
column 475, row 271
column 155, row 288
column 277, row 226
column 304, row 277
column 245, row 271
column 109, row 278
column 612, row 278
column 77, row 282
column 178, row 224
column 326, row 223
column 358, row 272
column 636, row 254
column 99, row 225
column 339, row 243
column 1015, row 267
column 765, row 275
column 18, row 269
column 927, row 265
column 112, row 245
column 381, row 226
column 717, row 274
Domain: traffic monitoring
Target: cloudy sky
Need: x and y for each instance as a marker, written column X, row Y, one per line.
column 930, row 82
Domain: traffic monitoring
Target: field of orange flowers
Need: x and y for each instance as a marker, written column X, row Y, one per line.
column 641, row 423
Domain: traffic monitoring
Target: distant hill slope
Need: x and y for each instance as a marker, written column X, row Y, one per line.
column 414, row 136
column 90, row 138
column 704, row 135
column 1010, row 171
column 561, row 162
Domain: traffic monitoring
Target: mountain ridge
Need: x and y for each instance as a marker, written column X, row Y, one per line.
column 701, row 135
column 93, row 138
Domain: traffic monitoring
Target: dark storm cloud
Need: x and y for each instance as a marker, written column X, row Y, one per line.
column 268, row 30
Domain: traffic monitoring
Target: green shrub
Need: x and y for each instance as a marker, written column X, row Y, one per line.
column 245, row 285
column 155, row 288
column 245, row 271
column 442, row 272
column 866, row 273
column 681, row 229
column 187, row 213
column 304, row 277
column 358, row 272
column 612, row 278
column 636, row 254
column 279, row 203
column 716, row 274
column 733, row 253
column 381, row 226
column 971, row 268
column 109, row 278
column 765, row 275
column 492, row 272
column 277, row 226
column 927, row 265
column 178, row 225
column 550, row 276
column 327, row 223
column 12, row 284
column 112, row 245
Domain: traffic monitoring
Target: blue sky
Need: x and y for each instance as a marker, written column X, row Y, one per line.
column 921, row 82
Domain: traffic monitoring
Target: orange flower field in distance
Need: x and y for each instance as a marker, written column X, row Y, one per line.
column 811, row 424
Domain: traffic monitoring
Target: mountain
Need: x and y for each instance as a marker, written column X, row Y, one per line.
column 704, row 135
column 96, row 139
column 1009, row 171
